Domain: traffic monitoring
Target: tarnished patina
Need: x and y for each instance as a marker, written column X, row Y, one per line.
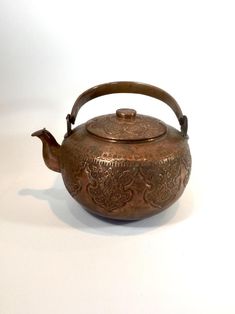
column 124, row 165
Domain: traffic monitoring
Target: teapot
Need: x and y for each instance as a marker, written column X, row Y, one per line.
column 123, row 166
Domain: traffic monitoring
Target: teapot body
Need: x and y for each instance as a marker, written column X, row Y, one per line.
column 125, row 181
column 123, row 166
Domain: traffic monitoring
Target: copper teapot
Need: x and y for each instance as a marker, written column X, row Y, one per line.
column 123, row 166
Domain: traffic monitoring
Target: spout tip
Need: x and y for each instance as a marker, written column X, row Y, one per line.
column 39, row 132
column 51, row 149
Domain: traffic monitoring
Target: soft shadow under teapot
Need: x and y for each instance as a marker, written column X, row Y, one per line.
column 122, row 166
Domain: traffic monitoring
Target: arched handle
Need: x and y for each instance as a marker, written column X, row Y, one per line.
column 127, row 87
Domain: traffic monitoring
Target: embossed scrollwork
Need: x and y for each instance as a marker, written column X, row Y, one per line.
column 163, row 182
column 108, row 185
column 113, row 184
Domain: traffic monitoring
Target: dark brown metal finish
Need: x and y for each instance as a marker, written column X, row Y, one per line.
column 126, row 125
column 127, row 87
column 122, row 166
column 125, row 181
column 50, row 150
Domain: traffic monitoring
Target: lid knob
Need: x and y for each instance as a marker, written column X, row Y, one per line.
column 125, row 113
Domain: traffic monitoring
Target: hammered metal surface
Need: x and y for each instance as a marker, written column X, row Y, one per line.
column 123, row 181
column 124, row 166
column 139, row 127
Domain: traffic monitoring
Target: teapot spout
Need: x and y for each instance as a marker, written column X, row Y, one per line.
column 51, row 149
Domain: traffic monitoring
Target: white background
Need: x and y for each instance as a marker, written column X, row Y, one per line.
column 55, row 257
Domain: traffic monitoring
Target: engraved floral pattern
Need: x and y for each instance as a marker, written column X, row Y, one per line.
column 186, row 162
column 141, row 127
column 163, row 182
column 108, row 185
column 73, row 179
column 112, row 184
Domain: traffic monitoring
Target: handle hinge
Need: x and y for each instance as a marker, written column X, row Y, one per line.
column 69, row 123
column 184, row 125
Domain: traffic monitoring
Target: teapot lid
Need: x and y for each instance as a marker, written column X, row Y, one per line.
column 126, row 125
